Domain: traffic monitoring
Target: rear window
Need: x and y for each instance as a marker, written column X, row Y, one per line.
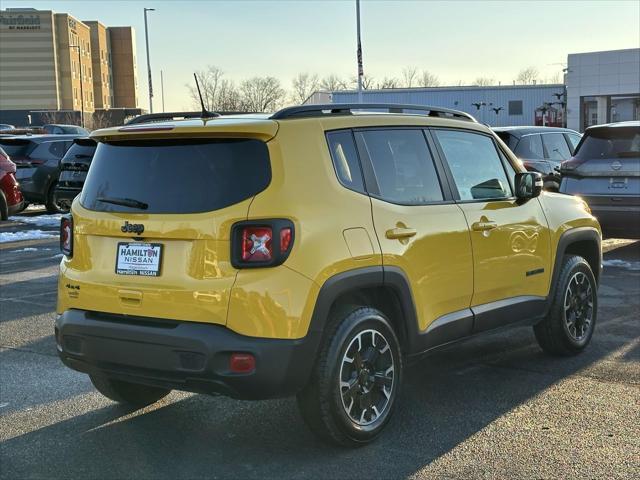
column 17, row 148
column 616, row 142
column 80, row 151
column 175, row 176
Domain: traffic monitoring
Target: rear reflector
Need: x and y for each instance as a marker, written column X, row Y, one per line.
column 66, row 235
column 242, row 363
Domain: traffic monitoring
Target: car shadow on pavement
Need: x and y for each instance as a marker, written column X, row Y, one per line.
column 447, row 398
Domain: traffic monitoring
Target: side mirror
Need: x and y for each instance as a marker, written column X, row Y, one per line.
column 528, row 185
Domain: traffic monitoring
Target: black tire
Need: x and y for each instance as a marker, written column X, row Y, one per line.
column 125, row 392
column 51, row 205
column 4, row 207
column 323, row 402
column 569, row 326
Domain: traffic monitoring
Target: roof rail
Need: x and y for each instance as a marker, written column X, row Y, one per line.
column 305, row 111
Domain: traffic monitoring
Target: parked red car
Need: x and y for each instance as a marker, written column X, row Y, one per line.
column 11, row 200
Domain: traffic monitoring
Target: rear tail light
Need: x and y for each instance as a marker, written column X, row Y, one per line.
column 66, row 235
column 570, row 164
column 264, row 243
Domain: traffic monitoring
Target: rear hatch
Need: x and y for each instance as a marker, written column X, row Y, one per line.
column 605, row 170
column 18, row 150
column 75, row 163
column 152, row 225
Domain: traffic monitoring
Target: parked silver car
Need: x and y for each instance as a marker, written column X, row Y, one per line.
column 605, row 172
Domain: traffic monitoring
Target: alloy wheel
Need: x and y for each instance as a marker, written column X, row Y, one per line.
column 367, row 377
column 578, row 306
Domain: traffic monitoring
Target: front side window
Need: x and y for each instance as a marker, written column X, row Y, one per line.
column 403, row 166
column 475, row 165
column 345, row 160
column 530, row 148
column 556, row 145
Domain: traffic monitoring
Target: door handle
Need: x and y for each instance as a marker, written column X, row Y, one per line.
column 397, row 233
column 483, row 226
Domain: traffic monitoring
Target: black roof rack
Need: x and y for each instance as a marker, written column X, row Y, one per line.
column 305, row 111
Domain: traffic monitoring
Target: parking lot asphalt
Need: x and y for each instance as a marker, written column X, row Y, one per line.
column 491, row 407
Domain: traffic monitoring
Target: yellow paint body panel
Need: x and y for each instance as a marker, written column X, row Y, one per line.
column 336, row 230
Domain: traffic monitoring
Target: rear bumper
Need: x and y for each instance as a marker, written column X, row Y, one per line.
column 66, row 194
column 182, row 355
column 619, row 221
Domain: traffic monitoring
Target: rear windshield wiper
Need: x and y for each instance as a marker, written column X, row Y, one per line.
column 125, row 202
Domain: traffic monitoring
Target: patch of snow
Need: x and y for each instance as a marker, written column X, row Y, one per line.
column 26, row 235
column 60, row 255
column 622, row 264
column 40, row 220
column 28, row 249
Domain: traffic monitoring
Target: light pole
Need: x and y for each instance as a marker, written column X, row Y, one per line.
column 81, row 89
column 162, row 89
column 146, row 37
column 360, row 69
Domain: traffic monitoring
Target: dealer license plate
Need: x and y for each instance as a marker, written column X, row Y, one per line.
column 135, row 258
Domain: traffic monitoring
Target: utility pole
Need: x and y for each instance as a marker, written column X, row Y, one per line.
column 81, row 89
column 162, row 89
column 146, row 37
column 360, row 69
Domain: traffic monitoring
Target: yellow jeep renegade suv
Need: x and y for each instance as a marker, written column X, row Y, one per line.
column 312, row 252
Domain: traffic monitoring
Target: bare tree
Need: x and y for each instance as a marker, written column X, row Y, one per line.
column 218, row 93
column 332, row 82
column 409, row 76
column 368, row 82
column 386, row 82
column 483, row 81
column 261, row 94
column 99, row 119
column 527, row 76
column 428, row 79
column 304, row 85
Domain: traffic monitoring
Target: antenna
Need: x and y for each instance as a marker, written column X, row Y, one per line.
column 205, row 113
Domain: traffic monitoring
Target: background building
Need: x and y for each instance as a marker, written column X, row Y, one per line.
column 603, row 87
column 53, row 66
column 497, row 106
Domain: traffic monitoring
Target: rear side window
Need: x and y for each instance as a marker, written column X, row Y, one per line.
column 530, row 148
column 187, row 176
column 509, row 139
column 475, row 165
column 49, row 151
column 403, row 166
column 345, row 160
column 615, row 142
column 574, row 140
column 556, row 145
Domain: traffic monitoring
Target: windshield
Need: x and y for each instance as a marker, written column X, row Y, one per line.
column 616, row 142
column 186, row 176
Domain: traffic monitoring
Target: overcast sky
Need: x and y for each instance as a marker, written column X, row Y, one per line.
column 456, row 40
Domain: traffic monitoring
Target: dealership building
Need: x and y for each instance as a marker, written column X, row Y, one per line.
column 600, row 87
column 52, row 63
column 603, row 87
column 497, row 105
